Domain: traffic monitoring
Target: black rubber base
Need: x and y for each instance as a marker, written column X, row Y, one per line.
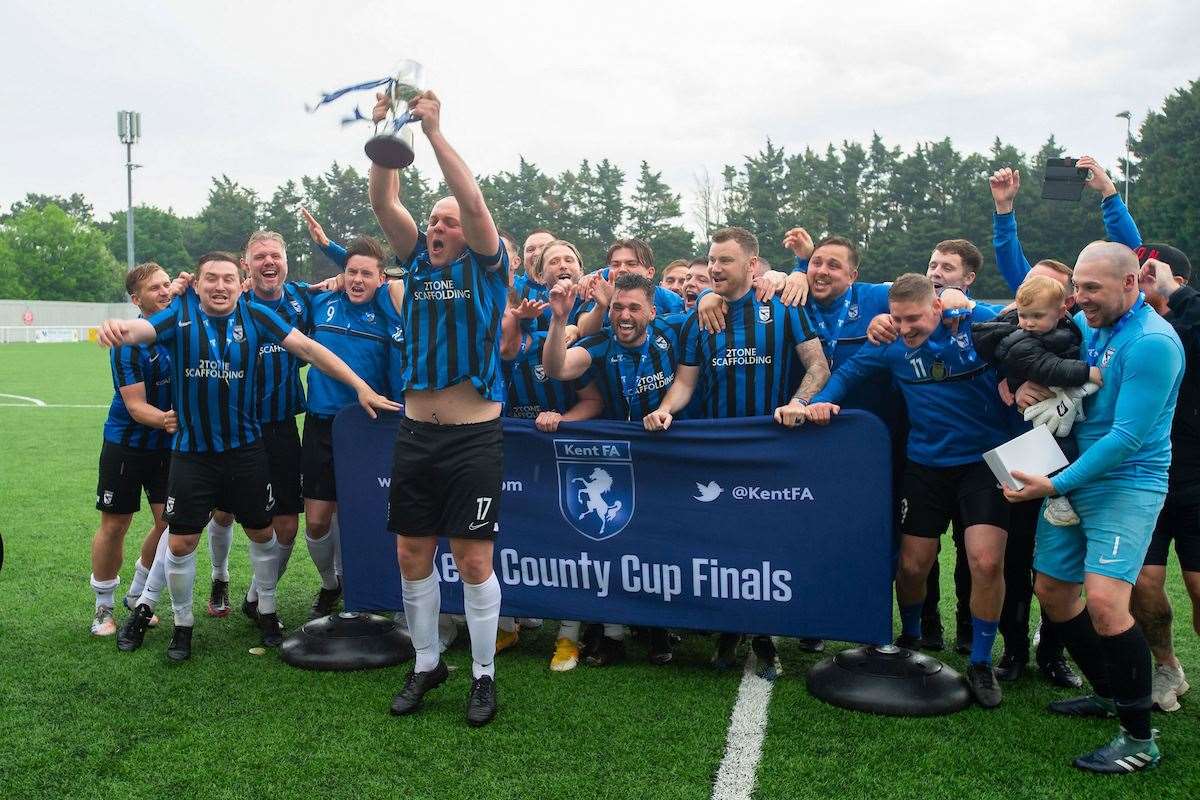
column 389, row 151
column 347, row 641
column 889, row 680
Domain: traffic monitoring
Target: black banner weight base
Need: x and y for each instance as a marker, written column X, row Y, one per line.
column 347, row 641
column 888, row 680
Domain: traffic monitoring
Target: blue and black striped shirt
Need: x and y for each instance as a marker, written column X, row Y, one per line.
column 149, row 364
column 744, row 368
column 632, row 380
column 215, row 370
column 452, row 320
column 280, row 393
column 529, row 390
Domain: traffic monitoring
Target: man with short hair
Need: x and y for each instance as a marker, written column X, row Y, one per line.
column 219, row 461
column 356, row 323
column 448, row 461
column 136, row 453
column 955, row 416
column 674, row 276
column 698, row 279
column 1117, row 487
column 743, row 370
column 632, row 364
column 624, row 255
column 528, row 285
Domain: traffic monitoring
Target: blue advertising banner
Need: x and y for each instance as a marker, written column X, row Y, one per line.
column 733, row 525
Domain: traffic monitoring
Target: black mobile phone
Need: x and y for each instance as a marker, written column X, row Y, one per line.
column 1064, row 180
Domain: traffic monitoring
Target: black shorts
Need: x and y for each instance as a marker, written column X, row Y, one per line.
column 237, row 481
column 317, row 462
column 933, row 496
column 284, row 457
column 125, row 472
column 446, row 480
column 1181, row 522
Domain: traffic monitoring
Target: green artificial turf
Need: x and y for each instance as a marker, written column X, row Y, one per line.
column 78, row 719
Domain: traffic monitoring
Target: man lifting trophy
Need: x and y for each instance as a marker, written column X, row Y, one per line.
column 392, row 144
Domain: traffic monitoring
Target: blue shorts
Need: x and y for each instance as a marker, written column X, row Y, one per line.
column 1116, row 525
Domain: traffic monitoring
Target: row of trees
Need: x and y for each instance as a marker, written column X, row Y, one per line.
column 896, row 204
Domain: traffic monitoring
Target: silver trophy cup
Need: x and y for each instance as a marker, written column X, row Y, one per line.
column 392, row 144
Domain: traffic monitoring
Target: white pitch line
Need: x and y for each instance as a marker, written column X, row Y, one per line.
column 738, row 773
column 44, row 405
column 28, row 400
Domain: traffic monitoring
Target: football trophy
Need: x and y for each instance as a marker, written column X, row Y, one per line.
column 392, row 144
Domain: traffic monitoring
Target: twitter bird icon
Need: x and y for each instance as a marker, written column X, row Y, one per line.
column 708, row 492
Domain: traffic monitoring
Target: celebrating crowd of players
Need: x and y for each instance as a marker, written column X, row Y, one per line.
column 207, row 387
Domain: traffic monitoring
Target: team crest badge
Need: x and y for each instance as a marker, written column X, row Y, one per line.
column 764, row 313
column 539, row 372
column 170, row 504
column 297, row 307
column 108, row 497
column 852, row 312
column 239, row 334
column 595, row 485
column 1108, row 354
column 938, row 370
column 661, row 343
column 398, row 334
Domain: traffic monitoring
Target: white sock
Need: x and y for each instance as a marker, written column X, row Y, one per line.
column 181, row 580
column 263, row 560
column 157, row 578
column 614, row 631
column 508, row 624
column 282, row 556
column 321, row 551
column 335, row 533
column 104, row 590
column 422, row 604
column 140, row 573
column 482, row 604
column 569, row 629
column 220, row 540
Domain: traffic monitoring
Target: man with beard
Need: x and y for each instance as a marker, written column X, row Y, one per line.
column 219, row 461
column 632, row 364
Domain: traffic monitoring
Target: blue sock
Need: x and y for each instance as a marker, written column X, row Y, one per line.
column 910, row 620
column 983, row 636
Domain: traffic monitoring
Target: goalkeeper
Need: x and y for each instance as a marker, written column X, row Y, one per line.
column 1037, row 341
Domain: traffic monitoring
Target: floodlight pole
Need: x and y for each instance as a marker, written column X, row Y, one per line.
column 1128, row 140
column 129, row 129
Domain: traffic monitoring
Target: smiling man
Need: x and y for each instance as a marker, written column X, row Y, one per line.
column 215, row 337
column 1117, row 486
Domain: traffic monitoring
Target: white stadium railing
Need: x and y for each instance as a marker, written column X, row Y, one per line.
column 47, row 334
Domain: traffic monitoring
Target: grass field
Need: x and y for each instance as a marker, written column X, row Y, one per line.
column 80, row 720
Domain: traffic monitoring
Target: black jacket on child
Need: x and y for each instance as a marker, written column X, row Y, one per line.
column 1051, row 359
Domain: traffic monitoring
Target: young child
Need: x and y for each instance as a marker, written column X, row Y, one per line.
column 1036, row 341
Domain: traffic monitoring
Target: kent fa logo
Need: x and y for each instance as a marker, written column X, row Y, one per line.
column 595, row 485
column 764, row 313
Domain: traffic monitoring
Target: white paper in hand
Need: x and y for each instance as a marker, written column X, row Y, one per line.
column 1035, row 453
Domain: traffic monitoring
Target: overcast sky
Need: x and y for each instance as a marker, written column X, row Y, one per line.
column 688, row 86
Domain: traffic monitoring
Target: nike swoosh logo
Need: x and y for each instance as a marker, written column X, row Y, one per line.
column 474, row 526
column 1104, row 560
column 185, row 324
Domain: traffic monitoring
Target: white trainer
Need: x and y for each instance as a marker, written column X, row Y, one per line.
column 1169, row 684
column 1058, row 512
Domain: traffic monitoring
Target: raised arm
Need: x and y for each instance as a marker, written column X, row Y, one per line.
column 561, row 363
column 478, row 227
column 1010, row 258
column 1118, row 223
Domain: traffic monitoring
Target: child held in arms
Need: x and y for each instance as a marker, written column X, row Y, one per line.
column 1037, row 341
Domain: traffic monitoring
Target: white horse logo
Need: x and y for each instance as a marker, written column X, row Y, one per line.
column 595, row 486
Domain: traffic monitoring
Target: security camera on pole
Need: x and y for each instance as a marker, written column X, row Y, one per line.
column 129, row 129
